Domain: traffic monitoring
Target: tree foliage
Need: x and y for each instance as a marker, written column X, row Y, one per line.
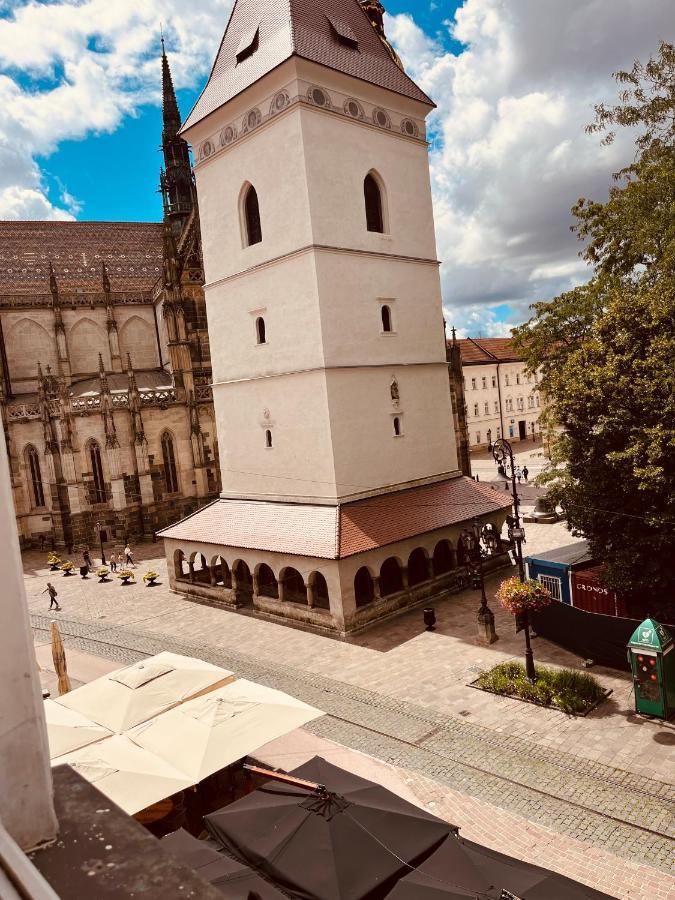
column 607, row 352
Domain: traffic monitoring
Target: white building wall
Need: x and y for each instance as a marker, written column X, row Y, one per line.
column 511, row 396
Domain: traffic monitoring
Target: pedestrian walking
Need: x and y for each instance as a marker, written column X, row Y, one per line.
column 129, row 556
column 519, row 474
column 113, row 562
column 86, row 558
column 526, row 472
column 53, row 594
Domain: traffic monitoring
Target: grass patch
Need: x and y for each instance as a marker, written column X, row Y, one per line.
column 564, row 689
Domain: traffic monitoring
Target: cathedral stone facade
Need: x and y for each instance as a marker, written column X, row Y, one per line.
column 105, row 371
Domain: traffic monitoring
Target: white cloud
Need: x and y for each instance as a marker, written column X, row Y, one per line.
column 70, row 69
column 511, row 156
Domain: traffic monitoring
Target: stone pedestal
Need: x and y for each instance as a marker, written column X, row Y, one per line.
column 486, row 628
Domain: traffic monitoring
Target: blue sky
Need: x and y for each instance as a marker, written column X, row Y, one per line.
column 515, row 83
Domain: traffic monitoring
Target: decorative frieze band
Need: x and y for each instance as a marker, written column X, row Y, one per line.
column 33, row 301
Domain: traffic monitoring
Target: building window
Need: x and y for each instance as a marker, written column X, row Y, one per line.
column 507, row 380
column 551, row 584
column 373, row 201
column 97, row 470
column 473, row 384
column 268, row 438
column 510, row 430
column 475, row 409
column 37, row 491
column 487, row 408
column 530, row 401
column 386, row 319
column 484, row 380
column 478, row 437
column 397, row 426
column 496, row 406
column 169, row 459
column 252, row 217
column 537, row 399
column 521, row 403
column 260, row 330
column 494, row 381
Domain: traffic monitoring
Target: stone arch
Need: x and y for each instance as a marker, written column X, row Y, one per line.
column 265, row 582
column 391, row 576
column 364, row 587
column 292, row 586
column 200, row 573
column 138, row 339
column 318, row 591
column 86, row 340
column 178, row 565
column 418, row 566
column 242, row 581
column 220, row 572
column 444, row 558
column 28, row 343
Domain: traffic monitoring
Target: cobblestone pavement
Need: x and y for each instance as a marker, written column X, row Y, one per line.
column 607, row 808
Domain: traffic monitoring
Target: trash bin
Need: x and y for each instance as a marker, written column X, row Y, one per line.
column 651, row 653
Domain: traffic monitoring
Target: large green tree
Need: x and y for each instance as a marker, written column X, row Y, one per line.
column 606, row 351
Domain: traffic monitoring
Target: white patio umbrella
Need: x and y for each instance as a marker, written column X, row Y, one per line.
column 126, row 697
column 130, row 776
column 203, row 736
column 69, row 730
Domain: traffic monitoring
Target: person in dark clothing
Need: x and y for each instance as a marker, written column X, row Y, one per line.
column 51, row 590
column 525, row 472
column 87, row 558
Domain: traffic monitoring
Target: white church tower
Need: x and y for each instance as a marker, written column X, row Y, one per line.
column 342, row 500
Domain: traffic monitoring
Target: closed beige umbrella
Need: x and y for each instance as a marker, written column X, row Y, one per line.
column 59, row 657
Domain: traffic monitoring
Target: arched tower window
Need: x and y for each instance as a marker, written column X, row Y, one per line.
column 35, row 475
column 386, row 318
column 373, row 201
column 268, row 438
column 97, row 471
column 252, row 217
column 169, row 458
column 260, row 330
column 397, row 426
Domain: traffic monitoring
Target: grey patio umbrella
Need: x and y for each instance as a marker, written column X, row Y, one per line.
column 348, row 840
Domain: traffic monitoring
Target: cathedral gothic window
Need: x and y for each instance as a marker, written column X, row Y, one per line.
column 169, row 458
column 97, row 471
column 35, row 474
column 252, row 217
column 373, row 201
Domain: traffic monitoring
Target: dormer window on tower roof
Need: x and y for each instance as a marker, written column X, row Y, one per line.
column 249, row 43
column 344, row 33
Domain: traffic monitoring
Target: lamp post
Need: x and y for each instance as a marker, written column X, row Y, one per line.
column 99, row 531
column 503, row 454
column 479, row 543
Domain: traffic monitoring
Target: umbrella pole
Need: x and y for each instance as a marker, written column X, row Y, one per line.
column 59, row 658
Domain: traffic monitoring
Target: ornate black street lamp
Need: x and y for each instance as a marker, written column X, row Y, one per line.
column 479, row 543
column 503, row 454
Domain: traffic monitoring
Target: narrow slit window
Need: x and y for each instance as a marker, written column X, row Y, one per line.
column 373, row 201
column 260, row 330
column 397, row 426
column 97, row 470
column 36, row 477
column 386, row 319
column 268, row 438
column 252, row 216
column 169, row 459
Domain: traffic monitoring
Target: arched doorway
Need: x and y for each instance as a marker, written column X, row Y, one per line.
column 391, row 577
column 318, row 591
column 220, row 573
column 266, row 582
column 199, row 569
column 179, row 565
column 242, row 582
column 293, row 587
column 418, row 567
column 364, row 587
column 443, row 559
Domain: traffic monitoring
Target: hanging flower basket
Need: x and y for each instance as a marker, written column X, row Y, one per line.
column 522, row 596
column 150, row 578
column 126, row 576
column 53, row 561
column 102, row 574
column 67, row 568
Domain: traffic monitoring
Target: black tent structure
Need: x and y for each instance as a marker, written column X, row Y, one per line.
column 351, row 838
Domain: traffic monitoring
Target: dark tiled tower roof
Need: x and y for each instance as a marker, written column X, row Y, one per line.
column 303, row 28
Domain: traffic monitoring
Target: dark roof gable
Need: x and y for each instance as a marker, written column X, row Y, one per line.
column 302, row 28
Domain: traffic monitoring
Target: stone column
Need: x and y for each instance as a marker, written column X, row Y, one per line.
column 26, row 794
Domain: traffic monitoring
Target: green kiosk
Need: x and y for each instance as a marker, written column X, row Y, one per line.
column 651, row 652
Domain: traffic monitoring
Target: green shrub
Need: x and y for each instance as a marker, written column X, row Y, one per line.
column 564, row 689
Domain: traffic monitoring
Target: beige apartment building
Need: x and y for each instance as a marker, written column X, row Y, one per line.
column 502, row 398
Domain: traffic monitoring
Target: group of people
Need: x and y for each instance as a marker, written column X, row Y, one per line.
column 522, row 473
column 125, row 559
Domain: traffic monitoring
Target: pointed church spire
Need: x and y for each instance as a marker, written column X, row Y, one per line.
column 176, row 178
column 170, row 112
